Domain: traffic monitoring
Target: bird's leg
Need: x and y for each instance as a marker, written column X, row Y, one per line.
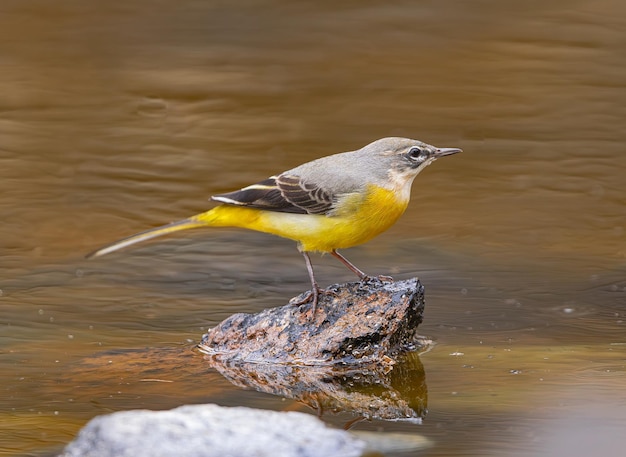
column 315, row 290
column 362, row 276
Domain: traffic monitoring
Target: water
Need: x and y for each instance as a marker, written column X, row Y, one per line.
column 117, row 118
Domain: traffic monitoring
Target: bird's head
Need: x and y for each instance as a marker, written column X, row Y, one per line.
column 407, row 154
column 404, row 158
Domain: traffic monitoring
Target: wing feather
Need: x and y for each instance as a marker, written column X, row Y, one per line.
column 283, row 193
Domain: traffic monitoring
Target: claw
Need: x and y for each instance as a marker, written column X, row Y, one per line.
column 384, row 278
column 379, row 278
column 310, row 296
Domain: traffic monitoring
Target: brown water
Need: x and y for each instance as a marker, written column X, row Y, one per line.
column 119, row 116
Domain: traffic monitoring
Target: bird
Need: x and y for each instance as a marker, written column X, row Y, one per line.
column 334, row 202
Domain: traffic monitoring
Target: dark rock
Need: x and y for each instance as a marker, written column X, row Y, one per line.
column 368, row 322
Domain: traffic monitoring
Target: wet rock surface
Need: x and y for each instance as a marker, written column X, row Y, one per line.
column 368, row 322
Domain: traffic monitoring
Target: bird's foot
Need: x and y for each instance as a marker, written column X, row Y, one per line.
column 306, row 297
column 311, row 296
column 297, row 301
column 379, row 278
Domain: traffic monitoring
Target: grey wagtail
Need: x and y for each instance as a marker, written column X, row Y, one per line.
column 331, row 203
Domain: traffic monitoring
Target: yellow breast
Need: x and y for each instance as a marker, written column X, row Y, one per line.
column 358, row 218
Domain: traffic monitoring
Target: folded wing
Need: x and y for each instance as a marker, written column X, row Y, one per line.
column 284, row 193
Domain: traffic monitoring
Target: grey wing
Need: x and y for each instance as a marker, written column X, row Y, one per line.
column 284, row 193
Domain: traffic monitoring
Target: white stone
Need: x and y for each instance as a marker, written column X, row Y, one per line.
column 211, row 430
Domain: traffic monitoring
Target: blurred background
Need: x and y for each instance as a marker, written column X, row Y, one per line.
column 116, row 117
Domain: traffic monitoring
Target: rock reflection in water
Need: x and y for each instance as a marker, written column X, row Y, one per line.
column 393, row 393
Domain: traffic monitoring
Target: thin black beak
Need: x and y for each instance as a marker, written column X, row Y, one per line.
column 440, row 152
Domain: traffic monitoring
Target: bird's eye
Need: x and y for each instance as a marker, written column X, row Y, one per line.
column 417, row 154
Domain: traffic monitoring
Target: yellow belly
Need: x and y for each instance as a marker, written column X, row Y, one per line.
column 357, row 220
